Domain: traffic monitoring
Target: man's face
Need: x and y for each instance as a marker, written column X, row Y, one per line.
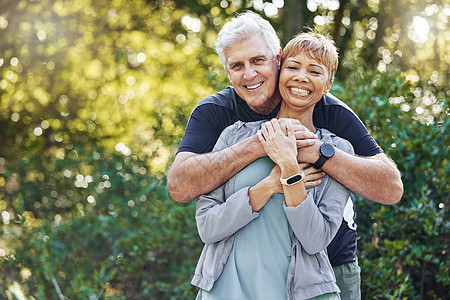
column 253, row 71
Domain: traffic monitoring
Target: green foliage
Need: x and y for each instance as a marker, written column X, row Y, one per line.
column 121, row 237
column 403, row 247
column 94, row 98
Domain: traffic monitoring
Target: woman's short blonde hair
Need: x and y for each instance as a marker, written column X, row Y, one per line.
column 316, row 46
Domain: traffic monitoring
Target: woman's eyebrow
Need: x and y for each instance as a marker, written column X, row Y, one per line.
column 317, row 65
column 311, row 65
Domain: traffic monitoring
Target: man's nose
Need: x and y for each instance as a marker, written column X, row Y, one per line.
column 249, row 72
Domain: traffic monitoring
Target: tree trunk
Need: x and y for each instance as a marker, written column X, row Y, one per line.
column 338, row 21
column 293, row 19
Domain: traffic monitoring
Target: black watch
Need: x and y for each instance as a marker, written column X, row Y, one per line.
column 326, row 152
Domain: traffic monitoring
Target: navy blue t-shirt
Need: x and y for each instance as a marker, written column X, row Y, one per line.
column 216, row 112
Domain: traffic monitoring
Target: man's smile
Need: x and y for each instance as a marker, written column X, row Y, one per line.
column 255, row 86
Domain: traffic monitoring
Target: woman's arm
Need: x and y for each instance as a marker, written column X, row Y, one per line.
column 316, row 221
column 218, row 218
column 280, row 145
column 222, row 212
column 316, row 224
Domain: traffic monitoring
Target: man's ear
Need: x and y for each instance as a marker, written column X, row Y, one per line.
column 279, row 59
column 228, row 75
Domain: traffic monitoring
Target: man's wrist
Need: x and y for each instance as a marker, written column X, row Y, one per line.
column 309, row 154
column 326, row 151
column 256, row 147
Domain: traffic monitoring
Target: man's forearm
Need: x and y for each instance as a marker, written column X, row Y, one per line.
column 375, row 178
column 192, row 175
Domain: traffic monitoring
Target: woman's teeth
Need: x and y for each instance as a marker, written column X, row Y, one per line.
column 299, row 91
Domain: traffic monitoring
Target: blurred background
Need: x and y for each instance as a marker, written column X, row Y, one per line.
column 94, row 98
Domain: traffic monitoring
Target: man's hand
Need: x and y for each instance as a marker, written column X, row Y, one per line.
column 310, row 153
column 303, row 136
column 312, row 176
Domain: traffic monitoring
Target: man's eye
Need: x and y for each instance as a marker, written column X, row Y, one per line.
column 236, row 66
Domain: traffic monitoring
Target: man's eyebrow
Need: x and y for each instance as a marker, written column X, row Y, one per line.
column 259, row 56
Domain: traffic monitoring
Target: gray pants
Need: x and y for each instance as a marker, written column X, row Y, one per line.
column 349, row 280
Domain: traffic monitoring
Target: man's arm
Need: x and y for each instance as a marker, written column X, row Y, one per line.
column 375, row 178
column 192, row 175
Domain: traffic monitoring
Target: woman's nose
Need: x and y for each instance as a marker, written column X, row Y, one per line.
column 301, row 75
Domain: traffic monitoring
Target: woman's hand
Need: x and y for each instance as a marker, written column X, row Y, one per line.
column 280, row 147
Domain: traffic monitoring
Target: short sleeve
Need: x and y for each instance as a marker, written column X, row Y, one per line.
column 205, row 124
column 332, row 114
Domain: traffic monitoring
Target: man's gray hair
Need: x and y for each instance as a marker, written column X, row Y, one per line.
column 242, row 27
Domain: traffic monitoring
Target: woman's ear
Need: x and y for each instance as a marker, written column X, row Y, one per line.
column 328, row 87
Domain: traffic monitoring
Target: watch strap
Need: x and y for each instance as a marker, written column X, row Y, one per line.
column 293, row 179
column 320, row 162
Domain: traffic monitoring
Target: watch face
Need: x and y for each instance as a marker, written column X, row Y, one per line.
column 294, row 179
column 327, row 150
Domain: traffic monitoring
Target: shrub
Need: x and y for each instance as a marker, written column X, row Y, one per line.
column 403, row 247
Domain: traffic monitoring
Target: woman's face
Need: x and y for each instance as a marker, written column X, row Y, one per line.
column 303, row 81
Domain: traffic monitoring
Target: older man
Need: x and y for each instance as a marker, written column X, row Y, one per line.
column 252, row 65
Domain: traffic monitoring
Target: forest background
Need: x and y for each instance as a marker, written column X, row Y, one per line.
column 94, row 99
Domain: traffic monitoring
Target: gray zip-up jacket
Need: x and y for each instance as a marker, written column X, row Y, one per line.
column 221, row 213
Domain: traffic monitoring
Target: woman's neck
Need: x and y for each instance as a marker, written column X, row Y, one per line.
column 304, row 116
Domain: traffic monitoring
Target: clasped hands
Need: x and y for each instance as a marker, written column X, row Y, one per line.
column 282, row 139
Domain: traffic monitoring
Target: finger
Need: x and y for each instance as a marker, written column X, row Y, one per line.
column 264, row 129
column 304, row 166
column 303, row 135
column 305, row 143
column 290, row 130
column 276, row 125
column 300, row 127
column 260, row 137
column 283, row 125
column 311, row 184
column 293, row 121
column 314, row 176
column 268, row 127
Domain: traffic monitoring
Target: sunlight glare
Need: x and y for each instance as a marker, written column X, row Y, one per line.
column 419, row 30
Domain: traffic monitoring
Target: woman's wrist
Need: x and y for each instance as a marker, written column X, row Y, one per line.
column 289, row 168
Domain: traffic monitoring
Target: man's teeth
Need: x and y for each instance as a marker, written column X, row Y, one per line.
column 300, row 91
column 251, row 87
